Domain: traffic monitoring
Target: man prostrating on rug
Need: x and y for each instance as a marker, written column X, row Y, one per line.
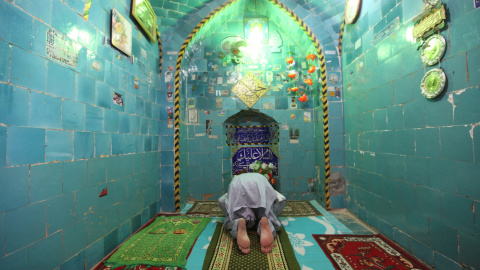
column 250, row 201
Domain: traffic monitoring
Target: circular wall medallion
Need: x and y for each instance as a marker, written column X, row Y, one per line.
column 351, row 10
column 433, row 83
column 433, row 50
column 333, row 78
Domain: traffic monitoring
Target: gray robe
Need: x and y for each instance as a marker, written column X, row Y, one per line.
column 250, row 196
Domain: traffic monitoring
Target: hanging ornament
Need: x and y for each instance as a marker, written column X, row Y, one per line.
column 433, row 50
column 433, row 83
column 303, row 98
column 352, row 8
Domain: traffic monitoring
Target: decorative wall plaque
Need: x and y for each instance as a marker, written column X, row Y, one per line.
column 245, row 156
column 192, row 116
column 121, row 33
column 433, row 83
column 145, row 16
column 351, row 10
column 61, row 48
column 333, row 78
column 428, row 20
column 433, row 50
column 386, row 31
column 249, row 89
column 245, row 135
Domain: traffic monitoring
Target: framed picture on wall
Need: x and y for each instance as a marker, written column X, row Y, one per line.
column 145, row 16
column 121, row 33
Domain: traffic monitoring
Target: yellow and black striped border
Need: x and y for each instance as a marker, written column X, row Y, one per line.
column 340, row 38
column 321, row 57
column 181, row 53
column 323, row 73
column 160, row 50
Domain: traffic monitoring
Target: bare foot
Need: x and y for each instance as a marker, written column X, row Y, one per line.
column 266, row 236
column 242, row 238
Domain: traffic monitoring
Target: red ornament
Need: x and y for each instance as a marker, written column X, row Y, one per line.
column 104, row 192
column 311, row 57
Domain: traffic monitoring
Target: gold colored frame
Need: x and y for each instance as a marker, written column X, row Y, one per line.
column 149, row 24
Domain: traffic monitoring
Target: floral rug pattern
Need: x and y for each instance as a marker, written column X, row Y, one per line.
column 299, row 229
column 291, row 209
column 365, row 252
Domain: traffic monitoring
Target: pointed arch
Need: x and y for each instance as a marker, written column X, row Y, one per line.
column 324, row 99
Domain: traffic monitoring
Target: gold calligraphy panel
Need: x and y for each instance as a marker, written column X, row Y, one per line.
column 429, row 22
column 249, row 89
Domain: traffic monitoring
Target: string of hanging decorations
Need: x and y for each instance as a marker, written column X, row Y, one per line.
column 292, row 74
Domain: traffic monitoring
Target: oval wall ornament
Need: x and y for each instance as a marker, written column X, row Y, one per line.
column 433, row 50
column 352, row 7
column 433, row 83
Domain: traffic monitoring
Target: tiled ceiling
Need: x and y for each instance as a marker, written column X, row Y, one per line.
column 183, row 15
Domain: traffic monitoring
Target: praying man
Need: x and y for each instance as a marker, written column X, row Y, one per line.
column 250, row 201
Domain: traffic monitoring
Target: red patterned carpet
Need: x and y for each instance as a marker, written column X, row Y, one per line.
column 365, row 252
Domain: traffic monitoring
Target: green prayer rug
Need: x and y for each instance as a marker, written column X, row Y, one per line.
column 211, row 207
column 299, row 209
column 165, row 242
column 223, row 253
column 292, row 209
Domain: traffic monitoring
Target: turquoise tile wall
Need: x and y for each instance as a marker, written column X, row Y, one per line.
column 62, row 140
column 15, row 103
column 176, row 19
column 424, row 152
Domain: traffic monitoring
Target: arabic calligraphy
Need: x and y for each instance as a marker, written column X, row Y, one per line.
column 250, row 89
column 252, row 135
column 247, row 155
column 429, row 22
column 61, row 48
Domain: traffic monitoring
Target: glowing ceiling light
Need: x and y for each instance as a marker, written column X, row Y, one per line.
column 256, row 30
